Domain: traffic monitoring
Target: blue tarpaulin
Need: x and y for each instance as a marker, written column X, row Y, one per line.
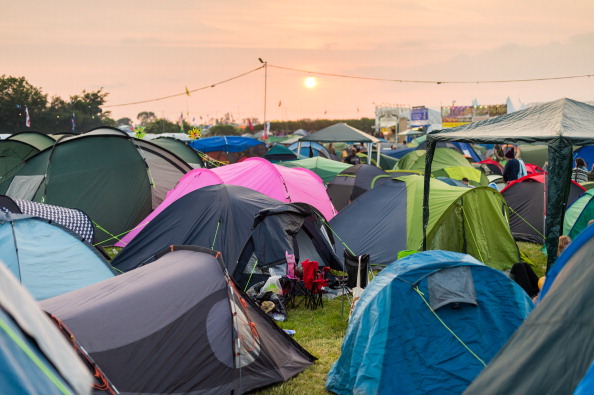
column 224, row 143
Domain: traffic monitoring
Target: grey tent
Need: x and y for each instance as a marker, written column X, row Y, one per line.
column 560, row 124
column 179, row 325
column 35, row 358
column 351, row 183
column 341, row 132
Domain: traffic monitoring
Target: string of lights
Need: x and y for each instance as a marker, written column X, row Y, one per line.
column 187, row 92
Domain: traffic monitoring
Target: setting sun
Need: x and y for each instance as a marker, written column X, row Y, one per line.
column 310, row 82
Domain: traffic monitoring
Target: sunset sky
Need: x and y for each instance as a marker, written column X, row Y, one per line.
column 143, row 50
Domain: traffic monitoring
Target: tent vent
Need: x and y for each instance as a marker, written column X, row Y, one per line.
column 451, row 286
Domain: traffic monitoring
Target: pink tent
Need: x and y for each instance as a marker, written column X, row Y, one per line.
column 286, row 184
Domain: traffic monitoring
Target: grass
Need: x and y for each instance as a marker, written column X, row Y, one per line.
column 320, row 332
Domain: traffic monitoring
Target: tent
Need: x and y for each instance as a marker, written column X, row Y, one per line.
column 280, row 153
column 578, row 214
column 493, row 166
column 341, row 132
column 552, row 352
column 559, row 124
column 309, row 149
column 73, row 219
column 180, row 148
column 443, row 157
column 178, row 325
column 475, row 177
column 222, row 217
column 385, row 220
column 428, row 323
column 229, row 149
column 280, row 183
column 525, row 198
column 115, row 179
column 351, row 183
column 47, row 258
column 34, row 356
column 326, row 169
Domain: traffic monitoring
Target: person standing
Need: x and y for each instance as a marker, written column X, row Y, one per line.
column 512, row 167
column 352, row 159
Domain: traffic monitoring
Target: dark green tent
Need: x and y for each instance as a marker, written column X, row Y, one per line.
column 181, row 149
column 559, row 124
column 115, row 179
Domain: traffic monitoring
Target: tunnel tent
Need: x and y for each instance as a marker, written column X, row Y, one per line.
column 115, row 179
column 560, row 124
column 180, row 148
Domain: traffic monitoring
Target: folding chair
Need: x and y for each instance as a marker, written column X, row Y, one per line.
column 314, row 281
column 357, row 270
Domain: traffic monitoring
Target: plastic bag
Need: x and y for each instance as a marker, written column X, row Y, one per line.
column 272, row 285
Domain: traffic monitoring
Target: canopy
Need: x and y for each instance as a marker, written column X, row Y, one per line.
column 224, row 143
column 559, row 124
column 341, row 132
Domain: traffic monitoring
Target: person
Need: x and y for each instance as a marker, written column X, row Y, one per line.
column 352, row 159
column 512, row 167
column 580, row 171
column 466, row 182
column 564, row 241
column 498, row 153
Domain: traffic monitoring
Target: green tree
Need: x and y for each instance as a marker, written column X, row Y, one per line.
column 162, row 125
column 15, row 94
column 146, row 117
column 223, row 130
column 124, row 122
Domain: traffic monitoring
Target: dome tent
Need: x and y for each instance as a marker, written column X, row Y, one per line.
column 428, row 323
column 186, row 324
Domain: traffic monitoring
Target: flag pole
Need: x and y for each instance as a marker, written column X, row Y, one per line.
column 265, row 87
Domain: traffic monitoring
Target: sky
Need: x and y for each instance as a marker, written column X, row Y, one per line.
column 138, row 51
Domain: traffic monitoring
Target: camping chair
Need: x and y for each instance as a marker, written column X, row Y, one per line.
column 314, row 281
column 294, row 285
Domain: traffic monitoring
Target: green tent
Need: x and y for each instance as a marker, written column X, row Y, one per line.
column 475, row 177
column 579, row 214
column 113, row 178
column 38, row 140
column 387, row 218
column 326, row 169
column 386, row 162
column 559, row 124
column 443, row 157
column 181, row 149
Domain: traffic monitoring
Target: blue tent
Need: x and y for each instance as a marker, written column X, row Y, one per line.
column 47, row 258
column 428, row 323
column 224, row 143
column 35, row 358
column 309, row 149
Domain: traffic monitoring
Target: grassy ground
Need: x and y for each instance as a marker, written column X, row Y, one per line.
column 321, row 332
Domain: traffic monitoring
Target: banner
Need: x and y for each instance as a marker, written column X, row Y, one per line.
column 455, row 116
column 480, row 113
column 419, row 116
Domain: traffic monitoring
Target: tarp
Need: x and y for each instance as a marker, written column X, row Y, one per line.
column 35, row 357
column 560, row 124
column 280, row 183
column 416, row 327
column 554, row 348
column 179, row 325
column 224, row 143
column 47, row 258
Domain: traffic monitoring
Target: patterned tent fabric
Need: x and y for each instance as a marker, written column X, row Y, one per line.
column 73, row 219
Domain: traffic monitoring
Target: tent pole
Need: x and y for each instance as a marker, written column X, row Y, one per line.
column 426, row 187
column 379, row 146
column 369, row 152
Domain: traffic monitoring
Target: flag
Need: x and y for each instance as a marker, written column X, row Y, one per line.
column 187, row 91
column 251, row 125
column 73, row 123
column 181, row 122
column 265, row 131
column 27, row 119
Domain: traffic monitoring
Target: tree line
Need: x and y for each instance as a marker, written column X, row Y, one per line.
column 82, row 112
